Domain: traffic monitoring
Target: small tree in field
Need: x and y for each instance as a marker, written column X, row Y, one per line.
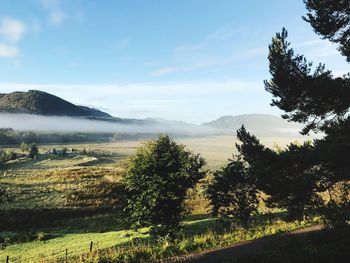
column 233, row 192
column 33, row 151
column 157, row 179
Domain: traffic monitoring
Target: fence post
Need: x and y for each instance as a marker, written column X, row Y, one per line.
column 91, row 246
column 66, row 255
column 7, row 259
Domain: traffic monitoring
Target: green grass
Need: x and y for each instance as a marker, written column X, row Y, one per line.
column 200, row 233
column 73, row 234
column 49, row 181
column 191, row 243
column 54, row 249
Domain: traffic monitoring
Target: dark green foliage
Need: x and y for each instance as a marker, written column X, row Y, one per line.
column 33, row 151
column 157, row 180
column 291, row 179
column 9, row 137
column 316, row 99
column 287, row 176
column 336, row 214
column 232, row 192
column 331, row 20
column 333, row 154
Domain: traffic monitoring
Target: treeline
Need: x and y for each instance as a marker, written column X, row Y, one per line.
column 9, row 136
column 297, row 179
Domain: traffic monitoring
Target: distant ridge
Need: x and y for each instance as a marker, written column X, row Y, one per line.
column 42, row 103
column 257, row 123
column 39, row 103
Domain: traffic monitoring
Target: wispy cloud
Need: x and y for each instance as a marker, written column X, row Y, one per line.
column 123, row 43
column 317, row 48
column 7, row 51
column 218, row 35
column 195, row 56
column 55, row 11
column 12, row 29
column 186, row 68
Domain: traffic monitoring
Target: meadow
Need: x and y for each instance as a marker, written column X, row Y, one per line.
column 55, row 203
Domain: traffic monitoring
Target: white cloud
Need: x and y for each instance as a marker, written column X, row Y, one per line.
column 55, row 12
column 12, row 29
column 7, row 51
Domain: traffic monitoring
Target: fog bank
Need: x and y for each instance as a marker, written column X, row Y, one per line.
column 38, row 123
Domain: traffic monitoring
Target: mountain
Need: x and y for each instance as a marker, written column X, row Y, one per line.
column 262, row 124
column 42, row 103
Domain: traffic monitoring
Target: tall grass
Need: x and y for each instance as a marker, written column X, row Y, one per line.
column 144, row 250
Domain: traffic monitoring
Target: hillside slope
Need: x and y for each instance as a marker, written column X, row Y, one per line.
column 42, row 103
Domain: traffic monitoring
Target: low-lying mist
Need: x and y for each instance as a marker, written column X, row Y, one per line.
column 38, row 123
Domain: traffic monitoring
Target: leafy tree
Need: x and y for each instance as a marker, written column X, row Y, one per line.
column 156, row 182
column 331, row 19
column 291, row 181
column 33, row 151
column 315, row 97
column 287, row 176
column 232, row 192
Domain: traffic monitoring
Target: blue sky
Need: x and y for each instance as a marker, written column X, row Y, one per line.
column 191, row 60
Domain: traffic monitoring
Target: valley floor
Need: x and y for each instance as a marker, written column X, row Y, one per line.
column 55, row 203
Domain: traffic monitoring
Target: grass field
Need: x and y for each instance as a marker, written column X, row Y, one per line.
column 82, row 181
column 198, row 235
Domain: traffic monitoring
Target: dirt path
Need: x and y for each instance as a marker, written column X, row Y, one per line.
column 241, row 249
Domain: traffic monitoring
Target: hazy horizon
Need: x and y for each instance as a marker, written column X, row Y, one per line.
column 185, row 60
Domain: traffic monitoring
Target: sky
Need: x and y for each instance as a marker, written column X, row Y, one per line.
column 189, row 60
